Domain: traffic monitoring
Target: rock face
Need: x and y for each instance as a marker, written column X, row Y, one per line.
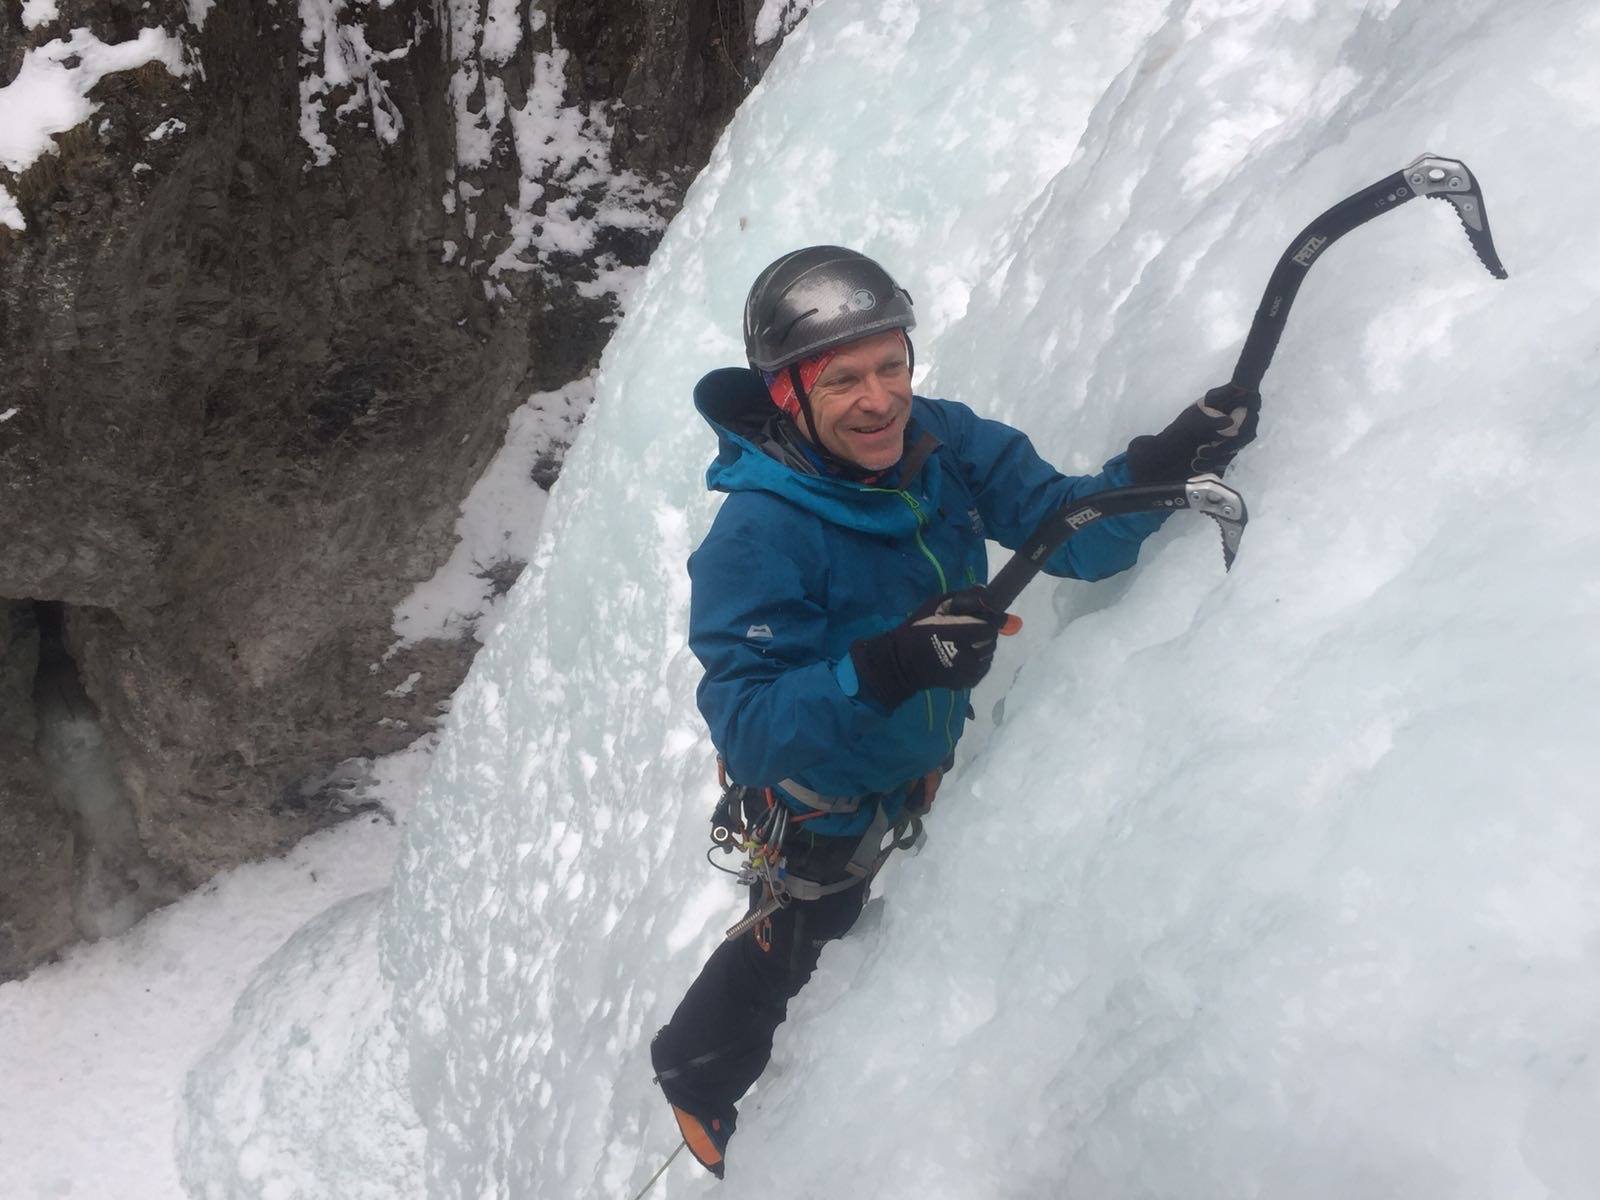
column 262, row 329
column 35, row 833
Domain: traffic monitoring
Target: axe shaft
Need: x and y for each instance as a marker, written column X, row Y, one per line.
column 1272, row 314
column 1440, row 178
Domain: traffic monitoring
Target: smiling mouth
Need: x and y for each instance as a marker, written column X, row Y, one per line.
column 874, row 428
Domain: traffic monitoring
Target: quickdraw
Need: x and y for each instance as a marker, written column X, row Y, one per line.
column 761, row 838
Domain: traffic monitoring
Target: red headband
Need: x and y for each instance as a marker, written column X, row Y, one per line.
column 781, row 385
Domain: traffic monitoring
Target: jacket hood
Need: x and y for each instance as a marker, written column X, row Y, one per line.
column 751, row 453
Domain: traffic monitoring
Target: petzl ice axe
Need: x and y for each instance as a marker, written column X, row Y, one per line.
column 1204, row 493
column 1430, row 175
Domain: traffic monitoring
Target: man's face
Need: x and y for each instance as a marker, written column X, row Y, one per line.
column 862, row 401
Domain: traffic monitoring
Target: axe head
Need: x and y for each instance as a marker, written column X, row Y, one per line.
column 1449, row 179
column 1208, row 494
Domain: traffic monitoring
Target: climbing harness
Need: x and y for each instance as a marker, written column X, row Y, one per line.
column 762, row 834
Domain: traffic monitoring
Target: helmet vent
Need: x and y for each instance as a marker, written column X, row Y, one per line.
column 788, row 329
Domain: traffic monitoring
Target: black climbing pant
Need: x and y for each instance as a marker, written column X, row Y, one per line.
column 720, row 1038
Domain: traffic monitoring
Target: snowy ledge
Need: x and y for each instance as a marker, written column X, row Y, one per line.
column 50, row 94
column 499, row 523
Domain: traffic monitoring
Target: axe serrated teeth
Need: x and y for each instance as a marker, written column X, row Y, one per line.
column 1482, row 240
column 1494, row 268
column 1484, row 249
column 1230, row 545
column 1497, row 272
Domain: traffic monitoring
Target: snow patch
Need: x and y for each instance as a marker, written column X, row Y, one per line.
column 499, row 524
column 778, row 17
column 50, row 93
column 38, row 12
column 105, row 1037
column 338, row 1029
column 168, row 127
column 502, row 30
column 568, row 190
column 335, row 57
column 406, row 686
column 563, row 151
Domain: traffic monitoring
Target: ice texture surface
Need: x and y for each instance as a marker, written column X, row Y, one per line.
column 312, row 1038
column 1281, row 882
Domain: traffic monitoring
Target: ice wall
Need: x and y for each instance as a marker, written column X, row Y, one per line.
column 578, row 762
column 1276, row 883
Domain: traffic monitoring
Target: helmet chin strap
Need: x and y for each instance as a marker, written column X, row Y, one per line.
column 805, row 406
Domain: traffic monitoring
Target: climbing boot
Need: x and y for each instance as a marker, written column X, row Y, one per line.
column 706, row 1137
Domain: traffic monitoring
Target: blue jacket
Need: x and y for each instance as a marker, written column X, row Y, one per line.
column 797, row 566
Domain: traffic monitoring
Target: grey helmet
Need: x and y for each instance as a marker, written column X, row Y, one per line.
column 814, row 299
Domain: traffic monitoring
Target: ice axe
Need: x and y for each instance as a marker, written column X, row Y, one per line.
column 1430, row 175
column 1204, row 493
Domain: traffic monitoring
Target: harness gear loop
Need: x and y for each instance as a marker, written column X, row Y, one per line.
column 907, row 832
column 764, row 842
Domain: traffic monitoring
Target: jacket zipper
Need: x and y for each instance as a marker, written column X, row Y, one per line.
column 944, row 586
column 922, row 522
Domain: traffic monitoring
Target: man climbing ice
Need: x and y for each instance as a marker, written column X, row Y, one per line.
column 838, row 612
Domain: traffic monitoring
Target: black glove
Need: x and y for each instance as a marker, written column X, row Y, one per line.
column 1205, row 437
column 947, row 643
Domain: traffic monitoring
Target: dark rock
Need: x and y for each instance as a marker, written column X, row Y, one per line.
column 36, row 845
column 252, row 387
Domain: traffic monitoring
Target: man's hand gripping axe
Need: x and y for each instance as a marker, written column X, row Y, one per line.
column 1430, row 175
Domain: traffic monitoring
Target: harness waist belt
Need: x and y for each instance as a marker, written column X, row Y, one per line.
column 811, row 799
